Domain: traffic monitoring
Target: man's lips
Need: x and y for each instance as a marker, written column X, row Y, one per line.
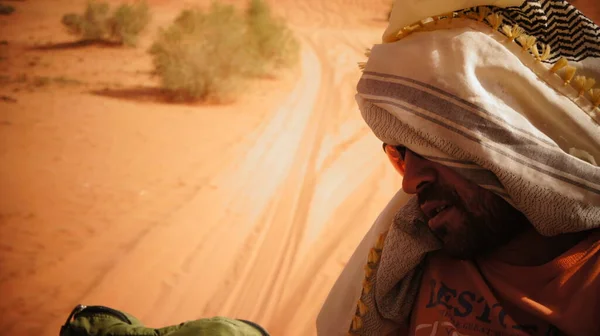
column 432, row 209
column 438, row 223
column 437, row 212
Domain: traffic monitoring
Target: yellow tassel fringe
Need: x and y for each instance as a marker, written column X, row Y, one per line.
column 595, row 93
column 526, row 41
column 356, row 323
column 540, row 52
column 495, row 20
column 544, row 55
column 512, row 32
column 569, row 74
column 367, row 286
column 380, row 242
column 561, row 63
column 362, row 308
column 372, row 263
column 373, row 256
column 583, row 84
column 449, row 16
column 482, row 13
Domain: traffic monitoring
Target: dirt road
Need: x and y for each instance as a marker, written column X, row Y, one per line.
column 173, row 212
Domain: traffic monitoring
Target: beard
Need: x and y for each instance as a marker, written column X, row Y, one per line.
column 473, row 226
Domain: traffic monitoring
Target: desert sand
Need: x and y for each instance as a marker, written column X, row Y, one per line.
column 109, row 195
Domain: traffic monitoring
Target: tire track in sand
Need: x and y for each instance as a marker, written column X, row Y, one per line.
column 271, row 275
column 255, row 262
column 257, row 230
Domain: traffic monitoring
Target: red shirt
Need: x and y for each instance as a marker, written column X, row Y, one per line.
column 493, row 298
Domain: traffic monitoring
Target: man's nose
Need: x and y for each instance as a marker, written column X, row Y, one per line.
column 418, row 173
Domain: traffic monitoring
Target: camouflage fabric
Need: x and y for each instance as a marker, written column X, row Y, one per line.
column 105, row 321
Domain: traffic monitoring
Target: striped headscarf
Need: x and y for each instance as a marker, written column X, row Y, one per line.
column 504, row 93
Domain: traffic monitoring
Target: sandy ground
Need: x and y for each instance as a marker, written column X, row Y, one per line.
column 109, row 195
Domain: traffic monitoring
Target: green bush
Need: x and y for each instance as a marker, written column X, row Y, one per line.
column 201, row 56
column 97, row 23
column 128, row 22
column 92, row 25
column 270, row 38
column 6, row 9
column 209, row 54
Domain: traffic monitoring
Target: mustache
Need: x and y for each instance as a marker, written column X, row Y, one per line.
column 442, row 194
column 439, row 193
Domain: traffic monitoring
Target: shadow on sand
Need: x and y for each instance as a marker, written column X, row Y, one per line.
column 77, row 45
column 149, row 94
column 137, row 94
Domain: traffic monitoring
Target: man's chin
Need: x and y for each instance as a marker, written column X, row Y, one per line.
column 459, row 253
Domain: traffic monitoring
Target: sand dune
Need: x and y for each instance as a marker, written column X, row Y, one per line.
column 175, row 212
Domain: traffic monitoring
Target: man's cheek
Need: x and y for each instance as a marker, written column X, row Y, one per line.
column 470, row 201
column 479, row 203
column 457, row 224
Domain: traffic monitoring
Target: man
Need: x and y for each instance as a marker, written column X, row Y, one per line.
column 512, row 259
column 491, row 115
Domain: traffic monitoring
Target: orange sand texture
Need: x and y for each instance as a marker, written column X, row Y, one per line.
column 110, row 195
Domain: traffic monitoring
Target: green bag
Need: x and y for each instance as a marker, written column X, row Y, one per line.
column 105, row 321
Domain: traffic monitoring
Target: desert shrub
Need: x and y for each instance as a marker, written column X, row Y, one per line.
column 209, row 54
column 128, row 21
column 73, row 23
column 92, row 25
column 202, row 55
column 270, row 38
column 6, row 9
column 97, row 22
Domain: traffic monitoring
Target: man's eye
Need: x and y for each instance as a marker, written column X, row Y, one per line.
column 402, row 151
